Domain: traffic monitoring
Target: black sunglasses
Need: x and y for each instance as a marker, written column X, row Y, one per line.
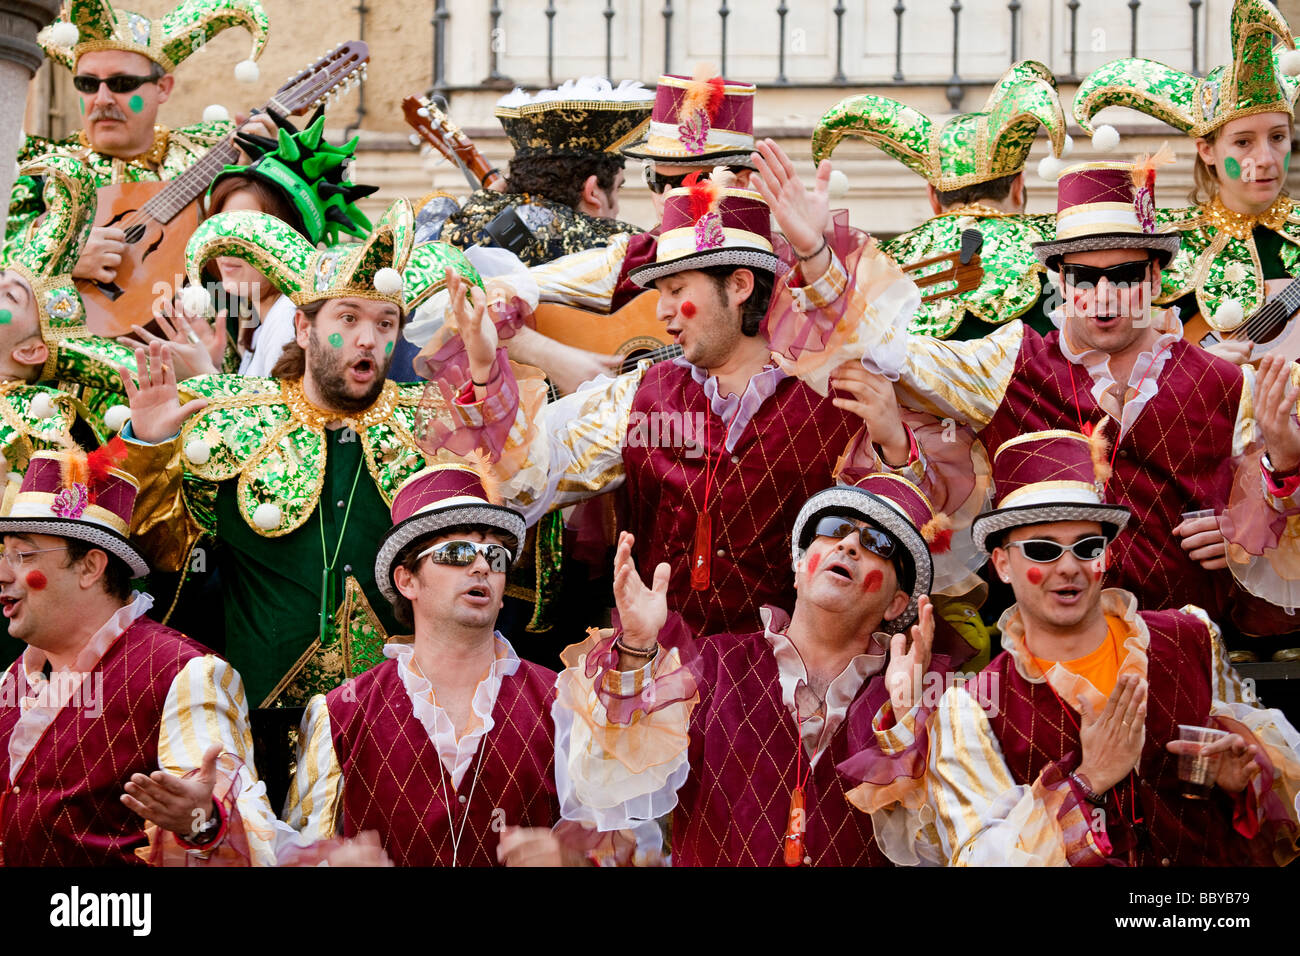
column 1043, row 551
column 462, row 554
column 120, row 83
column 878, row 542
column 1123, row 275
column 658, row 182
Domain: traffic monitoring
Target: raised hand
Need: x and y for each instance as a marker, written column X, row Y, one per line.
column 191, row 339
column 479, row 336
column 1275, row 403
column 156, row 411
column 179, row 804
column 1112, row 740
column 642, row 611
column 872, row 399
column 802, row 215
column 907, row 666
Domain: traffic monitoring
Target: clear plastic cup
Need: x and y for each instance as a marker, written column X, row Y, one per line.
column 1198, row 773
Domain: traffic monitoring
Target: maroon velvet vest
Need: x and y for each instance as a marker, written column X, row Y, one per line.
column 1035, row 729
column 393, row 781
column 641, row 248
column 734, row 807
column 67, row 810
column 786, row 454
column 1176, row 457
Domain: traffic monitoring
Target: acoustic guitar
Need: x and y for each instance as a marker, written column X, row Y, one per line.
column 159, row 217
column 961, row 268
column 433, row 126
column 1275, row 326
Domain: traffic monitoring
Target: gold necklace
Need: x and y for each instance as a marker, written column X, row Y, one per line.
column 302, row 409
column 153, row 156
column 1240, row 225
column 975, row 209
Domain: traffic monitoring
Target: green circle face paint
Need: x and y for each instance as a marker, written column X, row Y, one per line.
column 1232, row 168
column 6, row 316
column 82, row 106
column 1286, row 162
column 336, row 340
column 388, row 349
column 136, row 103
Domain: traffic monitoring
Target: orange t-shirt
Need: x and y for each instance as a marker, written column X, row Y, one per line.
column 1101, row 667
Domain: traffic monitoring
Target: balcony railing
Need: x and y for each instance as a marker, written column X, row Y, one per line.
column 860, row 42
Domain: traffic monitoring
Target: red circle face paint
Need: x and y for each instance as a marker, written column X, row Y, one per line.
column 36, row 580
column 815, row 560
column 1099, row 567
column 873, row 580
column 1035, row 575
column 687, row 309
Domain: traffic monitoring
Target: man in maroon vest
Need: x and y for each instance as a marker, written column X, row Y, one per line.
column 718, row 448
column 447, row 749
column 741, row 736
column 1065, row 749
column 1175, row 417
column 103, row 694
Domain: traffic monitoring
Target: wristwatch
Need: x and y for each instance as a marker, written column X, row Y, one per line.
column 206, row 832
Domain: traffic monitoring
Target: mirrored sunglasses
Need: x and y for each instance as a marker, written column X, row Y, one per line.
column 461, row 554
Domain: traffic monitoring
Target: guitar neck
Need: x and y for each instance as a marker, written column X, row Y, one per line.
column 192, row 183
column 1272, row 315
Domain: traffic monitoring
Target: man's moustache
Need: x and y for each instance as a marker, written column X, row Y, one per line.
column 106, row 112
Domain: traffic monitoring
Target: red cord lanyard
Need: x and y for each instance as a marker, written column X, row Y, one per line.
column 1119, row 798
column 1089, row 429
column 797, row 820
column 703, row 521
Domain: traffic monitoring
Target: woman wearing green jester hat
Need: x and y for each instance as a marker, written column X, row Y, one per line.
column 974, row 167
column 1241, row 236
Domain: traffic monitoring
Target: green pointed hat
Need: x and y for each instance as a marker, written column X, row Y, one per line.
column 385, row 266
column 89, row 25
column 309, row 172
column 971, row 147
column 46, row 257
column 1256, row 81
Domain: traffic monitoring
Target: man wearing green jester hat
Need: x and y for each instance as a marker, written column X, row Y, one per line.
column 974, row 167
column 1241, row 237
column 123, row 65
column 292, row 476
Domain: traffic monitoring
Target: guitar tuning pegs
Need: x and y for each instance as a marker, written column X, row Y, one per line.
column 415, row 140
column 422, row 111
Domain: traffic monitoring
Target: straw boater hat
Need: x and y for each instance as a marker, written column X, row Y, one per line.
column 90, row 25
column 707, row 225
column 700, row 120
column 1049, row 476
column 969, row 148
column 1109, row 206
column 74, row 495
column 1260, row 79
column 584, row 117
column 892, row 504
column 442, row 496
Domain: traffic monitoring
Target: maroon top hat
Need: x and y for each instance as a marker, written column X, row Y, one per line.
column 1108, row 206
column 442, row 496
column 893, row 504
column 74, row 495
column 699, row 121
column 707, row 225
column 1049, row 476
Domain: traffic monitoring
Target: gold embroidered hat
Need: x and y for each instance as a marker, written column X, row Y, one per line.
column 386, row 267
column 89, row 25
column 969, row 148
column 1260, row 79
column 45, row 258
column 584, row 117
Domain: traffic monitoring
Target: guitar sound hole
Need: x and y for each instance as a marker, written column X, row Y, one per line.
column 135, row 233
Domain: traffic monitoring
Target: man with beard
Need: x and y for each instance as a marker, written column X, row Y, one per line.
column 292, row 476
column 123, row 64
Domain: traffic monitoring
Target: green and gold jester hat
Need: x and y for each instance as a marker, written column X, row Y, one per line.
column 384, row 267
column 308, row 171
column 1260, row 79
column 89, row 25
column 46, row 256
column 970, row 148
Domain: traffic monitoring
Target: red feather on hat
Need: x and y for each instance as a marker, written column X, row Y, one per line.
column 704, row 195
column 103, row 460
column 703, row 94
